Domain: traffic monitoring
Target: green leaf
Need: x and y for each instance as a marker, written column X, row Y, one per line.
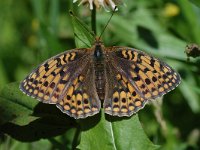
column 11, row 144
column 3, row 76
column 22, row 114
column 15, row 106
column 83, row 36
column 196, row 2
column 113, row 133
column 190, row 95
column 191, row 16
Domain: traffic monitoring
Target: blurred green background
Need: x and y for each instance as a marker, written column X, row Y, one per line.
column 32, row 31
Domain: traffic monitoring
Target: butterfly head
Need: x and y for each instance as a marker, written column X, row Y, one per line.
column 98, row 49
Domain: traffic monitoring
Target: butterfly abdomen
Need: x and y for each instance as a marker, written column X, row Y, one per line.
column 100, row 79
column 99, row 71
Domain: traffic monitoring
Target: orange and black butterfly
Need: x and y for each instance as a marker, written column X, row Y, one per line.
column 121, row 79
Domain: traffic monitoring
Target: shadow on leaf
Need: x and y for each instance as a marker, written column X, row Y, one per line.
column 51, row 123
column 89, row 122
column 116, row 118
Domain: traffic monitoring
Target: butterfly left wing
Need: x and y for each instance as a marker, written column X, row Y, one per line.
column 66, row 80
column 133, row 78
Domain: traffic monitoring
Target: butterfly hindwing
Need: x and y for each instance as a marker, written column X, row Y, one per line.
column 81, row 99
column 140, row 77
column 122, row 98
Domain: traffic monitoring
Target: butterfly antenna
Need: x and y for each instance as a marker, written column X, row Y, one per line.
column 108, row 22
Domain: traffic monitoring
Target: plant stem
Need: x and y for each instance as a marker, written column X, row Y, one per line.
column 93, row 19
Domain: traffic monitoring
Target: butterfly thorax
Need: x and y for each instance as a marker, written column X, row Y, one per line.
column 99, row 70
column 98, row 53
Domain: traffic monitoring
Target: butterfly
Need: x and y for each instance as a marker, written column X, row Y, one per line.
column 119, row 79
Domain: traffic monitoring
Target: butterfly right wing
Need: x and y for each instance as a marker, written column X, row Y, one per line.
column 134, row 78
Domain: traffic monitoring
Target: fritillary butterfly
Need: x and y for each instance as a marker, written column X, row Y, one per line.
column 78, row 81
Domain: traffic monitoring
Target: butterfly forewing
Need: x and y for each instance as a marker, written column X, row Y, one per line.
column 138, row 78
column 54, row 78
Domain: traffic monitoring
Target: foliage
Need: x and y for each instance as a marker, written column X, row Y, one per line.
column 32, row 31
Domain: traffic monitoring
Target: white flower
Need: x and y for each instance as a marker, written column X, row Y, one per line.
column 100, row 3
